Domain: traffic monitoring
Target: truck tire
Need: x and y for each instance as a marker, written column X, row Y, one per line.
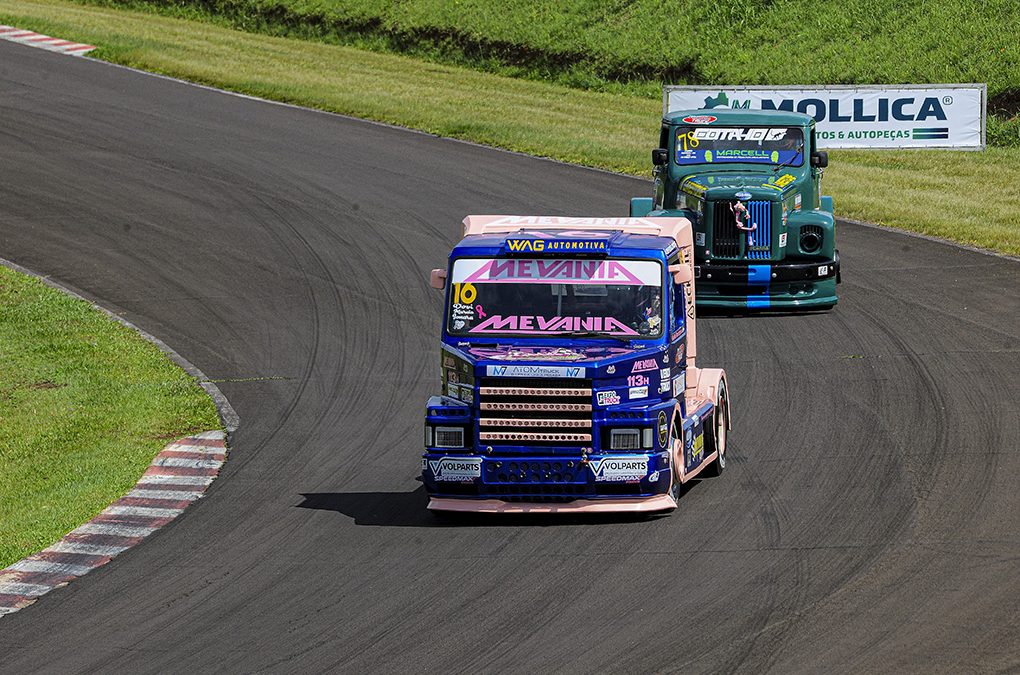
column 675, row 486
column 716, row 436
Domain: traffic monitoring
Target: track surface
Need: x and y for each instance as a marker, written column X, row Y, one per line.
column 868, row 520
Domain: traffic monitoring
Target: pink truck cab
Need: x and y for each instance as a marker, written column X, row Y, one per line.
column 569, row 369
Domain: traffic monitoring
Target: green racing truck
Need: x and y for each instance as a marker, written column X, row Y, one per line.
column 750, row 183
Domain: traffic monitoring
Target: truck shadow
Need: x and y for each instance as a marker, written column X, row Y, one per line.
column 716, row 313
column 407, row 509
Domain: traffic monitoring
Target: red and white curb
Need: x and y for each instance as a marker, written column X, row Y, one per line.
column 33, row 39
column 178, row 475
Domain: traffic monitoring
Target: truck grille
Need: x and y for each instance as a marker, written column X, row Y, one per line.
column 535, row 412
column 728, row 241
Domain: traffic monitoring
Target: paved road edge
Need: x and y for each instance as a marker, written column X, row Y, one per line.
column 178, row 475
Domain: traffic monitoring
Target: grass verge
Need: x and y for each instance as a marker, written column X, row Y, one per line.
column 966, row 197
column 631, row 47
column 85, row 404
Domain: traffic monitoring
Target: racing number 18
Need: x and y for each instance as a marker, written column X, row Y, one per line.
column 464, row 294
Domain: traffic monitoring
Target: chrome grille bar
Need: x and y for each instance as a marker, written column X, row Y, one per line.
column 534, row 436
column 533, row 391
column 525, row 422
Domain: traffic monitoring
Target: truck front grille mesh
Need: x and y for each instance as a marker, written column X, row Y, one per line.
column 728, row 241
column 535, row 412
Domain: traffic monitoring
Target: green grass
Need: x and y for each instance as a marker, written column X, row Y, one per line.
column 635, row 46
column 967, row 197
column 85, row 404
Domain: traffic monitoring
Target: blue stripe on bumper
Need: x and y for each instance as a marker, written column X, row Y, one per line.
column 761, row 276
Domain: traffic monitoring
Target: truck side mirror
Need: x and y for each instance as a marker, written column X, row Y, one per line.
column 437, row 279
column 682, row 274
column 660, row 157
column 820, row 159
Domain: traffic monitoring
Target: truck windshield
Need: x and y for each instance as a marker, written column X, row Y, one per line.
column 555, row 296
column 754, row 145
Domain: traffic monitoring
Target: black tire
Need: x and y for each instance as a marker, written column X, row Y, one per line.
column 675, row 486
column 717, row 437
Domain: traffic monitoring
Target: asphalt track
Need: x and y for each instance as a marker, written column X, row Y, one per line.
column 868, row 520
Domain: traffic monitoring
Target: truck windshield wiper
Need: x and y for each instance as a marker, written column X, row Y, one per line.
column 589, row 333
column 790, row 161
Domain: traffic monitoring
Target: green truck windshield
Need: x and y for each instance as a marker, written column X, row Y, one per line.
column 754, row 145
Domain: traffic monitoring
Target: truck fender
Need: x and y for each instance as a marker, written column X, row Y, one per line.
column 708, row 387
column 641, row 206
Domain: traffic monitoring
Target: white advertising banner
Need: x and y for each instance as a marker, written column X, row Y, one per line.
column 874, row 116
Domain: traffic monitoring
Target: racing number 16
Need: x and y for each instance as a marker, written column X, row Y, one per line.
column 464, row 294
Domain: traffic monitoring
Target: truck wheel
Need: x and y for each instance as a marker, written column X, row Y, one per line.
column 675, row 485
column 715, row 438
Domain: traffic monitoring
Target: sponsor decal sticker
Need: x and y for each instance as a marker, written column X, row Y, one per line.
column 608, row 398
column 700, row 119
column 679, row 384
column 556, row 271
column 823, row 270
column 664, row 373
column 638, row 392
column 534, row 371
column 611, row 369
column 782, row 240
column 745, row 134
column 785, row 180
column 644, row 366
column 797, row 202
column 663, row 429
column 556, row 245
column 699, row 238
column 653, row 477
column 612, row 469
column 536, row 325
column 456, row 469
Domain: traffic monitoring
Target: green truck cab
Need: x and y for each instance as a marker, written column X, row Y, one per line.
column 750, row 182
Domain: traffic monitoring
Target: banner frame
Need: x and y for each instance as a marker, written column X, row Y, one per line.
column 983, row 87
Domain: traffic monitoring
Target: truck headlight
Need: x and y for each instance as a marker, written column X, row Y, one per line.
column 810, row 238
column 624, row 439
column 428, row 436
column 647, row 438
column 449, row 437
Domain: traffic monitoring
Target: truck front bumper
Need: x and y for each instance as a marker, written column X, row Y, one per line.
column 640, row 505
column 767, row 286
column 619, row 482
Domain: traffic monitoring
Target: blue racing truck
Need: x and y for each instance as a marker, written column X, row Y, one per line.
column 569, row 381
column 750, row 183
